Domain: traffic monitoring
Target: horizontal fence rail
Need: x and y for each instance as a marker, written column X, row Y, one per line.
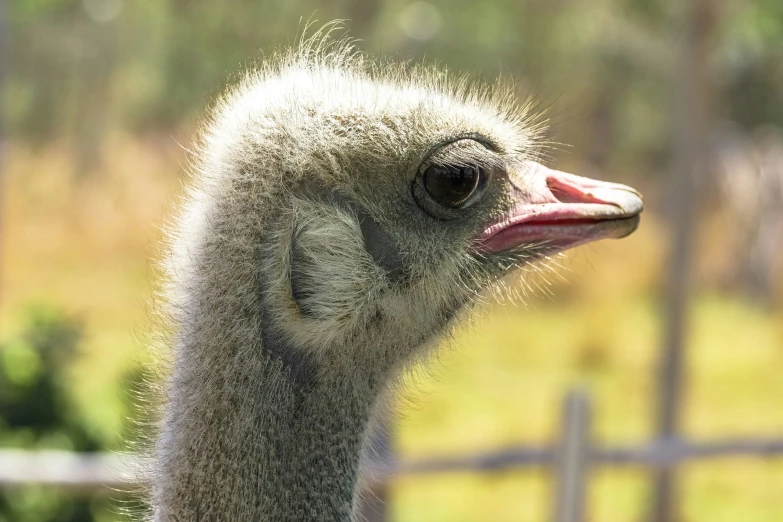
column 569, row 459
column 65, row 469
column 90, row 470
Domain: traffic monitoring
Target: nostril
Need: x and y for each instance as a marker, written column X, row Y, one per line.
column 565, row 193
column 564, row 197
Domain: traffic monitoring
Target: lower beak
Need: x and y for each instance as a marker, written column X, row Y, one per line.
column 556, row 211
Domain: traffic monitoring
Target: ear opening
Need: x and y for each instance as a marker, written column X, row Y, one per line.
column 382, row 248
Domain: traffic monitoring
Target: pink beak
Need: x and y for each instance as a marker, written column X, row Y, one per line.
column 556, row 211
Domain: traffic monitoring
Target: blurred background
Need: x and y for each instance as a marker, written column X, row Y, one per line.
column 681, row 99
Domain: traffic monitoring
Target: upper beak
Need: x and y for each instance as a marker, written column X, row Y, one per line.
column 554, row 211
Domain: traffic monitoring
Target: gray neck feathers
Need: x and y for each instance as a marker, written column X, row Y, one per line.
column 253, row 430
column 270, row 451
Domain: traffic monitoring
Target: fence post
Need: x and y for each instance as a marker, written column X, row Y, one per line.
column 373, row 505
column 573, row 458
column 692, row 89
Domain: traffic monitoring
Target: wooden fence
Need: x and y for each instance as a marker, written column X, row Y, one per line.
column 570, row 460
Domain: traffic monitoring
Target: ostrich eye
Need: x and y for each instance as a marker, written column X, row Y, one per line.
column 452, row 186
column 453, row 177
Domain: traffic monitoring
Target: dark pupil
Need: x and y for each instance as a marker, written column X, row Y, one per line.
column 451, row 186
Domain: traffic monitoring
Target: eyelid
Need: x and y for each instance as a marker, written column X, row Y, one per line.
column 478, row 138
column 440, row 155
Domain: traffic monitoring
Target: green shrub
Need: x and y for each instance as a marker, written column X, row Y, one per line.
column 37, row 411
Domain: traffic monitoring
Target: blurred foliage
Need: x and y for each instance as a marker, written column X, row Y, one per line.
column 37, row 410
column 35, row 407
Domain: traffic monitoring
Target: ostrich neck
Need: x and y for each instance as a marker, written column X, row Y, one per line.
column 246, row 438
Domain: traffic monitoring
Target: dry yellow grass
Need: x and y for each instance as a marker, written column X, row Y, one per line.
column 84, row 244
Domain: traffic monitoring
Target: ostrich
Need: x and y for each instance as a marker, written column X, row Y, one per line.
column 342, row 216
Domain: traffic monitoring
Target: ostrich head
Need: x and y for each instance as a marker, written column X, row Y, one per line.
column 341, row 216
